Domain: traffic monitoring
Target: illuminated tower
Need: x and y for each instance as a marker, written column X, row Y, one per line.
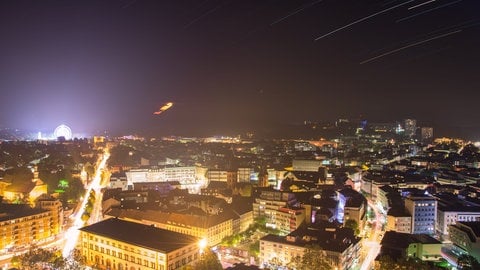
column 410, row 127
column 427, row 133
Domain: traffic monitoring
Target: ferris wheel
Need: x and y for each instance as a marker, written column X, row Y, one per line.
column 63, row 131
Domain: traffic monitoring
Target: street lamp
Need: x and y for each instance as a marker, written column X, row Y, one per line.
column 202, row 244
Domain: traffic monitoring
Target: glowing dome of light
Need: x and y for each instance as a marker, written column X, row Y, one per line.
column 63, row 131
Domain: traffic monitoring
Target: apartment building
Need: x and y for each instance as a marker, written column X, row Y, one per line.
column 23, row 226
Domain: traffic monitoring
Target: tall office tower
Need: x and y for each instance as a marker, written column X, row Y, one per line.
column 410, row 127
column 423, row 210
column 427, row 133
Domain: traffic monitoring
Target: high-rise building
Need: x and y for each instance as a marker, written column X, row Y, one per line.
column 426, row 133
column 410, row 127
column 423, row 209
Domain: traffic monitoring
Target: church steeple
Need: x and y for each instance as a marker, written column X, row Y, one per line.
column 35, row 174
column 36, row 179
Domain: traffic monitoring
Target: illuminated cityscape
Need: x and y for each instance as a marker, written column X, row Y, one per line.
column 204, row 135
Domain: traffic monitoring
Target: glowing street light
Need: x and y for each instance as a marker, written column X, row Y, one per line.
column 202, row 244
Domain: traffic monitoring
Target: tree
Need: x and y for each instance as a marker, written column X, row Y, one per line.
column 39, row 258
column 254, row 248
column 89, row 169
column 467, row 262
column 74, row 261
column 208, row 261
column 352, row 224
column 295, row 263
column 75, row 190
column 469, row 150
column 18, row 175
column 386, row 262
column 314, row 258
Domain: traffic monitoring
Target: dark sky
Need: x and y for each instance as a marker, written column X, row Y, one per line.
column 237, row 65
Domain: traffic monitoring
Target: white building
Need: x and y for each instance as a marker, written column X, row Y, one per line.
column 192, row 178
column 118, row 180
column 306, row 165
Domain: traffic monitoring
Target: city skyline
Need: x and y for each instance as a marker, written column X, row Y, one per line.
column 237, row 66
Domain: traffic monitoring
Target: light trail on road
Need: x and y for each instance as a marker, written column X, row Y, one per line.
column 72, row 233
column 374, row 246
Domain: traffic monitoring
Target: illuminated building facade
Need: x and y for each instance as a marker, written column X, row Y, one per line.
column 398, row 220
column 452, row 209
column 277, row 208
column 26, row 192
column 23, row 226
column 118, row 180
column 306, row 165
column 217, row 175
column 466, row 235
column 56, row 209
column 122, row 245
column 410, row 127
column 211, row 227
column 426, row 133
column 338, row 245
column 423, row 210
column 447, row 217
column 244, row 175
column 192, row 178
column 289, row 219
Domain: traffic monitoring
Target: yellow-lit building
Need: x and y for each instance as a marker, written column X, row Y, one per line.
column 122, row 245
column 22, row 226
column 211, row 227
column 55, row 206
column 26, row 192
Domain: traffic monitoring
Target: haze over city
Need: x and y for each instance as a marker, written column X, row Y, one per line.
column 239, row 134
column 234, row 66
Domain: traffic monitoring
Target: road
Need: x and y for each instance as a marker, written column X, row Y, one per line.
column 95, row 185
column 67, row 240
column 372, row 244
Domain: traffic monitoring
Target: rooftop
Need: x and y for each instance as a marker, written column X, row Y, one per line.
column 13, row 211
column 144, row 236
column 403, row 240
column 474, row 225
column 332, row 239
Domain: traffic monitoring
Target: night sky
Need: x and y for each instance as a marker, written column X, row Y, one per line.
column 232, row 66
